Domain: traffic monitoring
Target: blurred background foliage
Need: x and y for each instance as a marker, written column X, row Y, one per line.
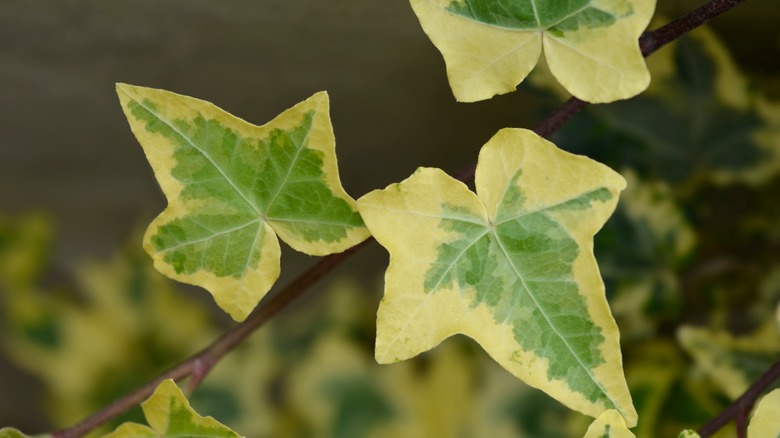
column 691, row 258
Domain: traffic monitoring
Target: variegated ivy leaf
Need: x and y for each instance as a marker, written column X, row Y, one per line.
column 233, row 186
column 490, row 46
column 610, row 424
column 764, row 422
column 169, row 414
column 9, row 432
column 511, row 266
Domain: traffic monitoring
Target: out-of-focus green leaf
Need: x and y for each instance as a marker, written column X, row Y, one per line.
column 24, row 245
column 169, row 414
column 764, row 422
column 31, row 315
column 335, row 392
column 732, row 363
column 127, row 313
column 688, row 434
column 654, row 367
column 698, row 121
column 767, row 303
column 239, row 390
column 505, row 407
column 639, row 250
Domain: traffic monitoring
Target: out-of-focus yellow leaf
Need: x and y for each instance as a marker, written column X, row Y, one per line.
column 343, row 393
column 699, row 120
column 732, row 363
column 508, row 408
column 24, row 245
column 127, row 314
column 640, row 248
column 238, row 391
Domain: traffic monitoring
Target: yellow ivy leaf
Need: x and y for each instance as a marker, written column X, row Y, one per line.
column 490, row 46
column 169, row 414
column 232, row 187
column 610, row 424
column 764, row 423
column 733, row 363
column 511, row 266
column 9, row 432
column 341, row 393
column 691, row 125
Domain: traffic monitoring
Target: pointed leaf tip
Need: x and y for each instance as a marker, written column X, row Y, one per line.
column 233, row 187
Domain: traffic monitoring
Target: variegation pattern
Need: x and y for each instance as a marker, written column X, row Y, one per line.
column 490, row 46
column 233, row 187
column 511, row 266
column 733, row 363
column 169, row 415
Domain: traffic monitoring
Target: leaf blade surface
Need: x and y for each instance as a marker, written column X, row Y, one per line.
column 490, row 46
column 764, row 421
column 232, row 187
column 510, row 266
column 170, row 415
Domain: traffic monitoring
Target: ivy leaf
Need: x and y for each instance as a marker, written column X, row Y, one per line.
column 764, row 422
column 700, row 120
column 508, row 408
column 490, row 46
column 169, row 414
column 688, row 433
column 651, row 373
column 638, row 251
column 733, row 363
column 511, row 267
column 80, row 348
column 9, row 432
column 232, row 187
column 610, row 424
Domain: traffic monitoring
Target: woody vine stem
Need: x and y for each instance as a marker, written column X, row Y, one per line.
column 197, row 366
